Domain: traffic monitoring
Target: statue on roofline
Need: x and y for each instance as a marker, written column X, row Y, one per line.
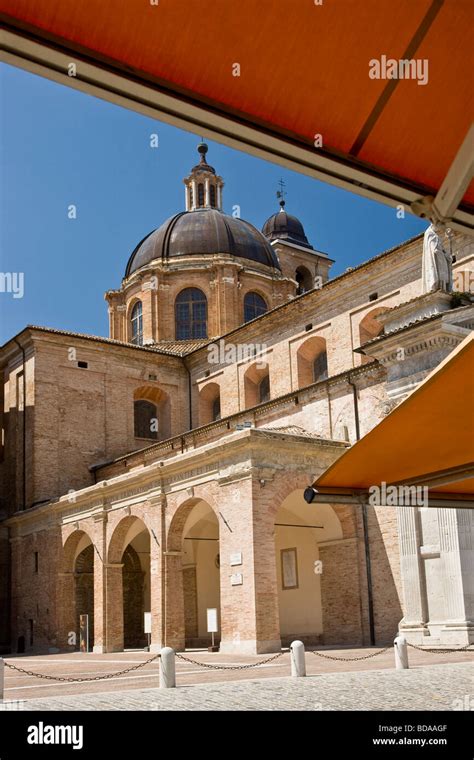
column 437, row 267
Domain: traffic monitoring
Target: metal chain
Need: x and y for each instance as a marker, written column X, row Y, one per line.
column 229, row 667
column 350, row 659
column 69, row 679
column 441, row 651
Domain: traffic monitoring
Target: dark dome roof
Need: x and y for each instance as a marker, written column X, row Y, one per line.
column 203, row 231
column 283, row 226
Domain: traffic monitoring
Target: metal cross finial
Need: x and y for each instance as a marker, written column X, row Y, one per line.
column 281, row 192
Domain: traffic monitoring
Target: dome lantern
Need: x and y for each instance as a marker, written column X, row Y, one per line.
column 203, row 185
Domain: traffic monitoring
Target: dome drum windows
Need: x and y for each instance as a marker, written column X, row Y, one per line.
column 191, row 314
column 254, row 306
column 136, row 324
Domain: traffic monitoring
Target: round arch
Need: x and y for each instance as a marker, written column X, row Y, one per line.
column 193, row 571
column 128, row 582
column 304, row 280
column 209, row 403
column 77, row 588
column 300, row 530
column 369, row 328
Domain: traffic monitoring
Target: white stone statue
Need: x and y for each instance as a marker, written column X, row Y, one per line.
column 437, row 269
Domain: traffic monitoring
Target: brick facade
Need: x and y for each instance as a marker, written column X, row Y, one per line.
column 99, row 521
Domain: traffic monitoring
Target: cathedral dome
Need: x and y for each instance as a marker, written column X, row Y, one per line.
column 203, row 231
column 285, row 227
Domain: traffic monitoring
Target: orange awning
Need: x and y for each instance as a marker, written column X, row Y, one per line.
column 304, row 71
column 427, row 440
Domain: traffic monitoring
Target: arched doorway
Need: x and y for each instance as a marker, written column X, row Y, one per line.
column 195, row 532
column 299, row 531
column 84, row 590
column 76, row 589
column 128, row 581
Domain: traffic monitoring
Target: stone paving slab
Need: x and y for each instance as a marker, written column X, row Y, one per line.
column 437, row 687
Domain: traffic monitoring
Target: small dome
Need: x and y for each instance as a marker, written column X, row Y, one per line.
column 283, row 226
column 203, row 231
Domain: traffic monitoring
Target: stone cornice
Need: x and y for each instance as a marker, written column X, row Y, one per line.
column 153, row 481
column 426, row 336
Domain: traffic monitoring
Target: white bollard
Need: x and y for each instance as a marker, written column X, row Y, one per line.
column 2, row 678
column 401, row 653
column 298, row 662
column 167, row 669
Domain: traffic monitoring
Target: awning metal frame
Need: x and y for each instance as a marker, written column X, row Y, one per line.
column 361, row 498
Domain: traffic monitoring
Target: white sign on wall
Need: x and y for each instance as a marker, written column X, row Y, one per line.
column 236, row 558
column 236, row 579
column 147, row 622
column 212, row 626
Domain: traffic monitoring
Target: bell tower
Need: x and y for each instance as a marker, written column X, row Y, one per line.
column 203, row 185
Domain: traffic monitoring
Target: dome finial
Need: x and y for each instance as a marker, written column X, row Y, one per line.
column 281, row 194
column 202, row 150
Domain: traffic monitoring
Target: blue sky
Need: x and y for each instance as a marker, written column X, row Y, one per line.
column 61, row 147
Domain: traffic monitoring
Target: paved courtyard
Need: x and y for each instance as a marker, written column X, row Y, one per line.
column 433, row 682
column 438, row 687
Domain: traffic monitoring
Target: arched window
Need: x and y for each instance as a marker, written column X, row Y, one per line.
column 200, row 194
column 213, row 196
column 136, row 321
column 216, row 409
column 320, row 367
column 264, row 389
column 304, row 281
column 369, row 328
column 254, row 305
column 191, row 314
column 145, row 419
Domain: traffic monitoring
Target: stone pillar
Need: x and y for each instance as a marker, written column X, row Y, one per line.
column 66, row 606
column 195, row 194
column 174, row 601
column 207, row 191
column 100, row 554
column 156, row 529
column 414, row 598
column 456, row 529
column 15, row 581
column 249, row 595
column 114, row 608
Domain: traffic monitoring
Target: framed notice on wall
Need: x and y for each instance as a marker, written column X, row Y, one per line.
column 289, row 568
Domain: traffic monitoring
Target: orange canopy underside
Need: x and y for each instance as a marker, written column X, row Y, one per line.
column 431, row 432
column 303, row 67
